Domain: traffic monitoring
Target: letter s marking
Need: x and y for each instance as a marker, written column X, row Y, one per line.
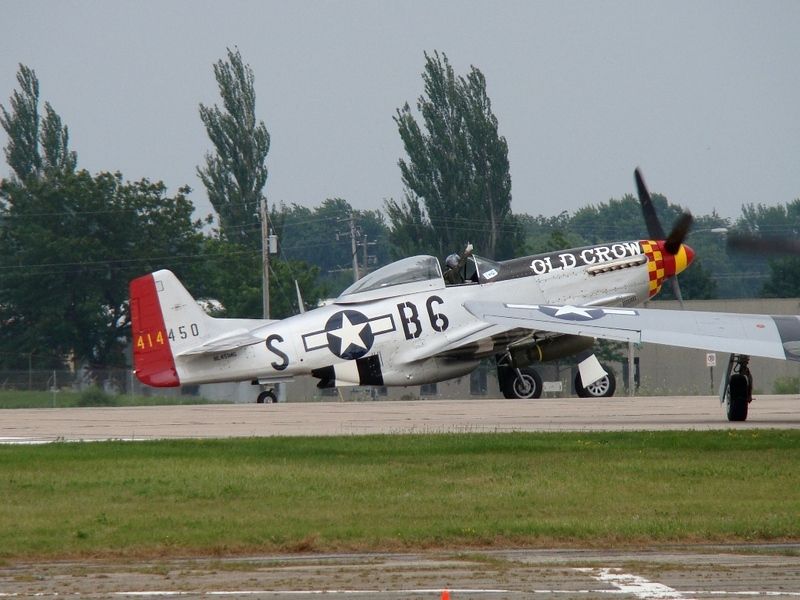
column 278, row 366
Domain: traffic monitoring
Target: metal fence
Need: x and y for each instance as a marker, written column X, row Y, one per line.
column 116, row 381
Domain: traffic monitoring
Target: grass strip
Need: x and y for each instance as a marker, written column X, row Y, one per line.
column 88, row 397
column 397, row 492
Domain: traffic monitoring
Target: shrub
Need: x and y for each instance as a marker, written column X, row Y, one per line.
column 786, row 385
column 95, row 396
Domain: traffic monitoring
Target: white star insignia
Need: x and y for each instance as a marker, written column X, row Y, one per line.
column 350, row 334
column 572, row 310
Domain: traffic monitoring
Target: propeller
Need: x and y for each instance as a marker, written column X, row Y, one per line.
column 771, row 244
column 676, row 236
column 654, row 228
column 679, row 232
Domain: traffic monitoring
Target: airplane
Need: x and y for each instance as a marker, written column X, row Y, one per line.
column 404, row 325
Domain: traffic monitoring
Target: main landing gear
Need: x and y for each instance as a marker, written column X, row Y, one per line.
column 737, row 388
column 526, row 383
column 522, row 383
column 267, row 397
column 602, row 388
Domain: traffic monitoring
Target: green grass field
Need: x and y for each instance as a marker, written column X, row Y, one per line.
column 88, row 397
column 397, row 492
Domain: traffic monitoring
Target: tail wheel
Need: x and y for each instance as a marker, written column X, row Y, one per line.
column 522, row 384
column 738, row 398
column 267, row 397
column 602, row 388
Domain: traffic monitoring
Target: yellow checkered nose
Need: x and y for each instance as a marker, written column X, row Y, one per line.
column 661, row 264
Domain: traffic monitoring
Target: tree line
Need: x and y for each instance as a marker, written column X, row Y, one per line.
column 70, row 240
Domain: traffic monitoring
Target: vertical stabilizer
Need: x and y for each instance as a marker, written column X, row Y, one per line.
column 164, row 317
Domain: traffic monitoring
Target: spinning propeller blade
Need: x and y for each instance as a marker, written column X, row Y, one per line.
column 676, row 289
column 676, row 236
column 654, row 228
column 678, row 233
column 648, row 210
column 746, row 242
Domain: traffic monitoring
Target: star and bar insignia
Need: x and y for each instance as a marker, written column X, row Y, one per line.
column 348, row 334
column 568, row 312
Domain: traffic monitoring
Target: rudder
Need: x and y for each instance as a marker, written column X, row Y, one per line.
column 164, row 317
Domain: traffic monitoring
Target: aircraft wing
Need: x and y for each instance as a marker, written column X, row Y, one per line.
column 776, row 336
column 486, row 337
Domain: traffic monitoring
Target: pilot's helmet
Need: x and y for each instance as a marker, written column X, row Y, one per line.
column 451, row 261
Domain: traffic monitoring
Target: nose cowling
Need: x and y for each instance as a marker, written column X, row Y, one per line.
column 663, row 265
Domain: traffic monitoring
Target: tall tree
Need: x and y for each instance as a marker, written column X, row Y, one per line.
column 35, row 146
column 234, row 176
column 56, row 157
column 411, row 232
column 22, row 125
column 68, row 248
column 457, row 164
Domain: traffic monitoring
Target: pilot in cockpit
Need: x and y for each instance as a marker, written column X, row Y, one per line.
column 454, row 263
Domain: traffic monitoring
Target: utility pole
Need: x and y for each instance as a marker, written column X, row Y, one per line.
column 353, row 247
column 265, row 256
column 364, row 244
column 366, row 256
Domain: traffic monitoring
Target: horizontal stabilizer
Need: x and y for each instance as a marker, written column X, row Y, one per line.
column 231, row 340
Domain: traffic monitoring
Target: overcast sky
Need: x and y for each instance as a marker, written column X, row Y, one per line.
column 704, row 96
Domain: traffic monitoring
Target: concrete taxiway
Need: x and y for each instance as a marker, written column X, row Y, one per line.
column 666, row 573
column 389, row 417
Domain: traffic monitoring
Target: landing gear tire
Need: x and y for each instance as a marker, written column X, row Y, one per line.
column 739, row 388
column 267, row 397
column 521, row 384
column 602, row 388
column 739, row 393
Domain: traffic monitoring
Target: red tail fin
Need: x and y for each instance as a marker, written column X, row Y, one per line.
column 152, row 355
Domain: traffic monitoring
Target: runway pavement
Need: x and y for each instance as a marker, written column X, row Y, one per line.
column 354, row 418
column 663, row 574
